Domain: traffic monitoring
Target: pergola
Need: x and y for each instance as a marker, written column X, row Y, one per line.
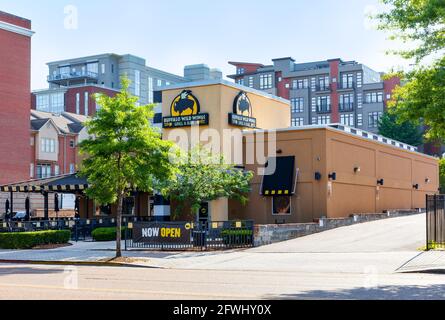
column 70, row 183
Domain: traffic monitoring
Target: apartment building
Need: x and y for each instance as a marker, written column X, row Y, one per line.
column 73, row 82
column 322, row 92
column 15, row 70
column 54, row 140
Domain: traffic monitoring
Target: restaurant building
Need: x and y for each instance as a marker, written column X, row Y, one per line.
column 300, row 174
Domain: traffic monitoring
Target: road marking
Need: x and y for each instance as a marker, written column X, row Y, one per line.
column 135, row 291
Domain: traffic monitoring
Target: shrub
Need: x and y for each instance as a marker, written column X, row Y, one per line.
column 106, row 234
column 241, row 232
column 29, row 240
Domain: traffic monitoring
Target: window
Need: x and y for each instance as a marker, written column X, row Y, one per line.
column 347, row 119
column 47, row 145
column 103, row 68
column 250, row 83
column 112, row 68
column 300, row 84
column 32, row 141
column 56, row 170
column 93, row 68
column 43, row 171
column 373, row 119
column 313, row 84
column 266, row 81
column 167, row 83
column 159, row 83
column 324, row 120
column 347, row 81
column 374, row 97
column 297, row 105
column 359, row 119
column 359, row 80
column 137, row 83
column 359, row 101
column 150, row 90
column 57, row 103
column 346, row 102
column 72, row 143
column 324, row 104
column 31, row 170
column 72, row 168
column 78, row 103
column 42, row 102
column 323, row 83
column 240, row 71
column 86, row 103
column 64, row 71
column 128, row 206
column 297, row 122
column 240, row 81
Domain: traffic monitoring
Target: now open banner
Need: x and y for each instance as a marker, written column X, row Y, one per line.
column 162, row 232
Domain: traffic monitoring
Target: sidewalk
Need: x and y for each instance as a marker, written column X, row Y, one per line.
column 428, row 261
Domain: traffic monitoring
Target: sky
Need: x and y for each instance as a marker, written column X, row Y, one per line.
column 170, row 34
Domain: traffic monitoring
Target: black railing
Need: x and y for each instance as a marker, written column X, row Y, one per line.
column 203, row 236
column 346, row 107
column 435, row 222
column 345, row 85
column 73, row 75
column 324, row 108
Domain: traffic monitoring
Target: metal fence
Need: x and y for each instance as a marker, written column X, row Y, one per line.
column 201, row 236
column 435, row 222
column 81, row 229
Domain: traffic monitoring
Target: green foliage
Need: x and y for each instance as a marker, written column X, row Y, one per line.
column 240, row 232
column 421, row 24
column 403, row 131
column 29, row 240
column 125, row 152
column 442, row 174
column 205, row 177
column 415, row 21
column 422, row 99
column 106, row 234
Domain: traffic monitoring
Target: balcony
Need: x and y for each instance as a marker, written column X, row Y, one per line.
column 346, row 107
column 74, row 78
column 346, row 86
column 324, row 108
column 320, row 88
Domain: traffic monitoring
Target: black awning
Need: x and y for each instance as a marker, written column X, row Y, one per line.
column 280, row 181
column 65, row 183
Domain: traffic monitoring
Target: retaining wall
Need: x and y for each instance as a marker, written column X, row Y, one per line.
column 272, row 233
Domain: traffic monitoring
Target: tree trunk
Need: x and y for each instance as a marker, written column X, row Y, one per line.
column 119, row 225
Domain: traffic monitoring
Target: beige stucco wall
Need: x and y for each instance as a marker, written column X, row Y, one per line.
column 217, row 100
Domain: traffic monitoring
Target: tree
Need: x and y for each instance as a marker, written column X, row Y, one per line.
column 404, row 131
column 125, row 152
column 442, row 174
column 415, row 21
column 421, row 23
column 204, row 177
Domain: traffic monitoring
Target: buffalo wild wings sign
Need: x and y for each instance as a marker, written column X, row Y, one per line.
column 185, row 112
column 242, row 115
column 162, row 232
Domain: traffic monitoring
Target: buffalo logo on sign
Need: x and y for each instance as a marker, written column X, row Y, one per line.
column 162, row 232
column 242, row 115
column 185, row 111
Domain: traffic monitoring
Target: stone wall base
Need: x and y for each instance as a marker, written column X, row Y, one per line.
column 268, row 234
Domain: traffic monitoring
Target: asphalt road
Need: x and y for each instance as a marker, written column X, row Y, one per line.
column 356, row 262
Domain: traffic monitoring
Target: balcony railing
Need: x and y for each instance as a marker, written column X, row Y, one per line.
column 73, row 75
column 326, row 87
column 346, row 85
column 345, row 107
column 324, row 108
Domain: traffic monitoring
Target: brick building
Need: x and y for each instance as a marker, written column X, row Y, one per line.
column 322, row 92
column 15, row 64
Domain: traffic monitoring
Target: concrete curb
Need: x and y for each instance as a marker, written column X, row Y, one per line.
column 78, row 263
